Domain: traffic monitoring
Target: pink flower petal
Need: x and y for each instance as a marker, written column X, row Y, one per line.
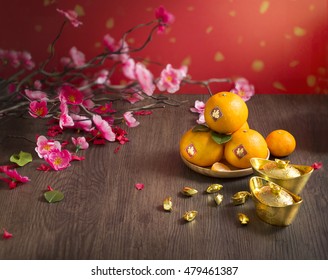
column 6, row 234
column 317, row 165
column 139, row 186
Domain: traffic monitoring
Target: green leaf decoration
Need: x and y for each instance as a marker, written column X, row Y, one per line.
column 53, row 196
column 220, row 138
column 200, row 128
column 22, row 158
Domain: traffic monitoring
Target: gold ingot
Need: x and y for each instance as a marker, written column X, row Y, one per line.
column 214, row 188
column 188, row 191
column 167, row 204
column 274, row 204
column 190, row 215
column 218, row 198
column 289, row 176
column 240, row 197
column 243, row 219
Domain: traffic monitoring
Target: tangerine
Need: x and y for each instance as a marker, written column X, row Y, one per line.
column 225, row 112
column 281, row 143
column 244, row 145
column 199, row 148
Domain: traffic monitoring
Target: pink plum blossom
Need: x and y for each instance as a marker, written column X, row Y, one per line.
column 71, row 15
column 38, row 109
column 14, row 178
column 104, row 109
column 109, row 42
column 243, row 88
column 36, row 94
column 81, row 122
column 45, row 146
column 130, row 120
column 70, row 95
column 145, row 78
column 171, row 78
column 65, row 120
column 102, row 77
column 104, row 128
column 133, row 98
column 59, row 160
column 164, row 18
column 80, row 143
column 77, row 56
column 129, row 68
column 199, row 108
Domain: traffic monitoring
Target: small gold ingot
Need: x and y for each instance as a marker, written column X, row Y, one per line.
column 188, row 191
column 243, row 219
column 240, row 197
column 167, row 204
column 218, row 198
column 214, row 188
column 190, row 215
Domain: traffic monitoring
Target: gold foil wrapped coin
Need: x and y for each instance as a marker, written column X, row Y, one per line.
column 218, row 198
column 240, row 197
column 190, row 215
column 188, row 191
column 214, row 188
column 167, row 204
column 243, row 219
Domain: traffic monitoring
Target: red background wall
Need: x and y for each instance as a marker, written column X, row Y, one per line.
column 280, row 46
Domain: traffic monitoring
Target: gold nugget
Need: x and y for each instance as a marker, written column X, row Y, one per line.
column 218, row 198
column 244, row 220
column 214, row 188
column 167, row 204
column 240, row 197
column 188, row 191
column 190, row 215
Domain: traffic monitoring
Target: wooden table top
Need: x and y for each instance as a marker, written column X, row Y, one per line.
column 103, row 216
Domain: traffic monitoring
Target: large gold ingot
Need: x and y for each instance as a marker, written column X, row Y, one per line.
column 274, row 204
column 289, row 176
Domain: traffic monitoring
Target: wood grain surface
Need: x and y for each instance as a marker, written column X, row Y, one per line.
column 103, row 216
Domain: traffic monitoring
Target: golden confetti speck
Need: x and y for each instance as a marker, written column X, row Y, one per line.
column 311, row 80
column 48, row 2
column 294, row 63
column 172, row 40
column 240, row 39
column 79, row 10
column 97, row 44
column 299, row 31
column 38, row 28
column 131, row 40
column 257, row 65
column 264, row 7
column 110, row 23
column 322, row 71
column 209, row 29
column 218, row 57
column 262, row 43
column 232, row 13
column 279, row 86
column 186, row 61
column 312, row 7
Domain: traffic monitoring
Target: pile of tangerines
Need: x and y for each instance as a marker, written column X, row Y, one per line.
column 227, row 140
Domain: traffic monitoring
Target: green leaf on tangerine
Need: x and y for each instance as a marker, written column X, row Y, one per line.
column 200, row 128
column 22, row 158
column 53, row 196
column 220, row 138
